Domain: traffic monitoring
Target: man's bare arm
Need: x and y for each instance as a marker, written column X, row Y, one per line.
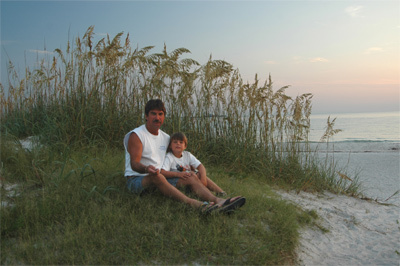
column 135, row 149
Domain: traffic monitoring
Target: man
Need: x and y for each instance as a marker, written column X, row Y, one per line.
column 145, row 149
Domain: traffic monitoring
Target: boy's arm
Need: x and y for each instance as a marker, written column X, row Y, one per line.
column 172, row 174
column 166, row 167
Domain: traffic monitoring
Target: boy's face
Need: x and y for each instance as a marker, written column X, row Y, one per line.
column 178, row 146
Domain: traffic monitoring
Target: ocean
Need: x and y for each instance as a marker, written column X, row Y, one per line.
column 368, row 146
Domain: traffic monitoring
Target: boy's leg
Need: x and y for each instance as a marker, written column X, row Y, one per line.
column 213, row 187
column 200, row 190
column 168, row 190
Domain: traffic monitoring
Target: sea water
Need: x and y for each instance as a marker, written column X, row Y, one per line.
column 368, row 147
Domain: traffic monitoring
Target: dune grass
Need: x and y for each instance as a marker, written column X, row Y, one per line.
column 74, row 209
column 96, row 92
column 72, row 206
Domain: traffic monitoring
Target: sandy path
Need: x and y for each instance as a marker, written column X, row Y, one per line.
column 360, row 232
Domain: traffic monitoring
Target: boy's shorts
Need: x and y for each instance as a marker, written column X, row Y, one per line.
column 134, row 184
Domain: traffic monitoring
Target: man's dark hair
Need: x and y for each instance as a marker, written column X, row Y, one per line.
column 154, row 104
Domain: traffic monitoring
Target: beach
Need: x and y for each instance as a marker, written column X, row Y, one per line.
column 376, row 165
column 364, row 230
column 361, row 232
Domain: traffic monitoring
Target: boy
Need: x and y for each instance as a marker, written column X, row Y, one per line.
column 181, row 163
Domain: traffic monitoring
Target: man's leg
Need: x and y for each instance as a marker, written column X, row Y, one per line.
column 200, row 190
column 195, row 184
column 169, row 190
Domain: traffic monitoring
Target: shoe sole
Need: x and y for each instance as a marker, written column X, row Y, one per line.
column 233, row 206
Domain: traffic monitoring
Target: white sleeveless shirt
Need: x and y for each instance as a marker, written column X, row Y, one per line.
column 154, row 149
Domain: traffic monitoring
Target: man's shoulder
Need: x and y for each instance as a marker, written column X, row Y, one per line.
column 140, row 131
column 135, row 130
column 139, row 128
column 163, row 133
column 164, row 136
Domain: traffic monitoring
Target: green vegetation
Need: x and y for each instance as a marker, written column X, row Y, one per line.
column 72, row 206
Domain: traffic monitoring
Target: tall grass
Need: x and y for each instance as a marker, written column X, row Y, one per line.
column 71, row 206
column 95, row 92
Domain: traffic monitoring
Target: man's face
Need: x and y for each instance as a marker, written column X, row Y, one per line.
column 155, row 119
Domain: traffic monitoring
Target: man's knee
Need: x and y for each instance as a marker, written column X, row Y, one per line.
column 156, row 179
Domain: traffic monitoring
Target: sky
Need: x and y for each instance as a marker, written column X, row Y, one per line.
column 346, row 53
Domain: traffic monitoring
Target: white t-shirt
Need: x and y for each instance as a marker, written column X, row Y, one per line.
column 154, row 149
column 171, row 163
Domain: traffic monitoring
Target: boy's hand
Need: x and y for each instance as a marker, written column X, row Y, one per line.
column 184, row 175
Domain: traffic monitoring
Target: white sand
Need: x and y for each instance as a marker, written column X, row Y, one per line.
column 378, row 172
column 360, row 232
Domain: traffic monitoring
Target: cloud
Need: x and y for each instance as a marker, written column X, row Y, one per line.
column 354, row 11
column 373, row 50
column 270, row 62
column 319, row 60
column 40, row 51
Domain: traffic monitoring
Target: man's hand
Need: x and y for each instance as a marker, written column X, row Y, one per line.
column 151, row 169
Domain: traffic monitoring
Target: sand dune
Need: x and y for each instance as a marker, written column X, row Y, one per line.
column 361, row 232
